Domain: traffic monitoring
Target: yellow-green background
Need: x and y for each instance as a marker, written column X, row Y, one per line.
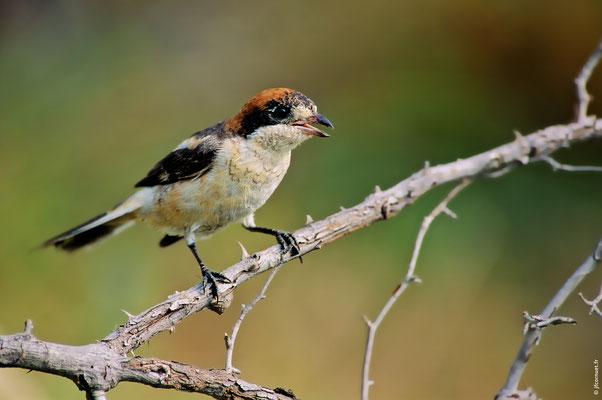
column 93, row 93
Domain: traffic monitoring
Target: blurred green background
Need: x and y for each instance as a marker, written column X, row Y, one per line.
column 94, row 93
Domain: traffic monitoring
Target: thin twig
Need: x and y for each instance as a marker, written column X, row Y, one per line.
column 409, row 278
column 583, row 98
column 539, row 322
column 571, row 168
column 533, row 335
column 246, row 308
column 593, row 303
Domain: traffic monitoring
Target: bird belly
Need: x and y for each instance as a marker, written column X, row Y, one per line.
column 230, row 191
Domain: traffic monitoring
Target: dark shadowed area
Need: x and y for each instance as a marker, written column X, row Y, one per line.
column 94, row 93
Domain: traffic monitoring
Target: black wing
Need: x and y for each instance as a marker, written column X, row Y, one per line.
column 192, row 158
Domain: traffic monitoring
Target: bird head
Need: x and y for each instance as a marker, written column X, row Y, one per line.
column 279, row 119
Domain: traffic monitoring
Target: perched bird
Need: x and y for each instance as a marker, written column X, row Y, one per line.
column 217, row 176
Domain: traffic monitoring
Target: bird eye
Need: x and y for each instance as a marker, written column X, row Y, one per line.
column 281, row 112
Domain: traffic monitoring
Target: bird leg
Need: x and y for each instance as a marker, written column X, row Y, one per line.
column 209, row 276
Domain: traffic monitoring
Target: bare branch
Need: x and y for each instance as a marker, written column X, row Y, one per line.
column 98, row 367
column 377, row 206
column 95, row 369
column 571, row 168
column 510, row 389
column 593, row 303
column 583, row 98
column 231, row 340
column 409, row 278
column 539, row 322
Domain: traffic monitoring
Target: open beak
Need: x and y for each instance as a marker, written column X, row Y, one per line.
column 312, row 130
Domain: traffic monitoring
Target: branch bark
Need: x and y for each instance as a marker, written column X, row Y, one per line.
column 533, row 332
column 593, row 303
column 378, row 206
column 246, row 308
column 98, row 367
column 409, row 278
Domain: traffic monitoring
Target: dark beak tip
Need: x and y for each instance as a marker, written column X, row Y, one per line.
column 322, row 120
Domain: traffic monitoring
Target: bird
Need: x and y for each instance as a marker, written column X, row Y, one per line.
column 217, row 176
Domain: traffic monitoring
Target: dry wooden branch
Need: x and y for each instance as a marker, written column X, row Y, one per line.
column 95, row 369
column 381, row 205
column 98, row 367
column 583, row 98
column 246, row 308
column 534, row 331
column 409, row 278
column 593, row 303
column 378, row 206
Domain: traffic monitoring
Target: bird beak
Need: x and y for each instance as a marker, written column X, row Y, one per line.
column 312, row 130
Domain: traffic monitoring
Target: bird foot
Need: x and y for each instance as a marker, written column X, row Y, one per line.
column 212, row 277
column 288, row 243
column 285, row 239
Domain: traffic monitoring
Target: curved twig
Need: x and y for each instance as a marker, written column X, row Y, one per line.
column 533, row 332
column 409, row 278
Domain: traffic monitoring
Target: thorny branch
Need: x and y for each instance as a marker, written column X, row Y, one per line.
column 593, row 303
column 246, row 308
column 380, row 205
column 583, row 98
column 99, row 367
column 540, row 322
column 533, row 332
column 409, row 278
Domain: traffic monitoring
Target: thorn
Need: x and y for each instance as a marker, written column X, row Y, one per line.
column 450, row 213
column 130, row 316
column 377, row 189
column 342, row 208
column 427, row 164
column 244, row 252
column 308, row 219
column 172, row 329
column 28, row 327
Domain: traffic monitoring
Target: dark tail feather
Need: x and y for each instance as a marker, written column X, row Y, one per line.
column 88, row 232
column 119, row 217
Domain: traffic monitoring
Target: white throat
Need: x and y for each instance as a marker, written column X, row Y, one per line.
column 278, row 138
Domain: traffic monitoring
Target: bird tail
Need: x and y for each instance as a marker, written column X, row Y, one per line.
column 115, row 220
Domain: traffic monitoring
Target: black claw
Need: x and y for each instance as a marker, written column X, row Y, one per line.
column 212, row 277
column 286, row 240
column 289, row 243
